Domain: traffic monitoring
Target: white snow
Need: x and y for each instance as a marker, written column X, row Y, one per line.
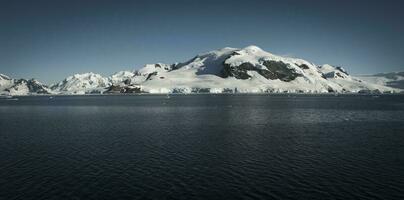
column 394, row 79
column 10, row 86
column 5, row 83
column 204, row 73
column 82, row 84
column 120, row 77
column 20, row 89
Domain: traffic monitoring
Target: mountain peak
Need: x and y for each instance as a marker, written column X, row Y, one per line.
column 87, row 74
column 81, row 83
column 252, row 48
column 249, row 69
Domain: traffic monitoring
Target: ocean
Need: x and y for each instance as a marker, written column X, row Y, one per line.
column 202, row 147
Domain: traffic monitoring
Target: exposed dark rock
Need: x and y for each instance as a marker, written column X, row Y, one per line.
column 303, row 66
column 339, row 75
column 270, row 90
column 173, row 66
column 123, row 89
column 239, row 72
column 276, row 70
column 94, row 92
column 227, row 90
column 200, row 90
column 342, row 70
column 4, row 77
column 127, row 82
column 235, row 53
column 149, row 76
column 334, row 74
column 136, row 73
column 179, row 65
column 166, row 67
column 178, row 91
column 114, row 89
column 33, row 86
column 133, row 90
column 280, row 70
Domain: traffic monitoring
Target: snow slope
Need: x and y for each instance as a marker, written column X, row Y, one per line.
column 227, row 70
column 121, row 77
column 10, row 86
column 82, row 84
column 394, row 79
column 252, row 70
column 5, row 83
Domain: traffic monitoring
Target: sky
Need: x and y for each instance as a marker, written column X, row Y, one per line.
column 50, row 40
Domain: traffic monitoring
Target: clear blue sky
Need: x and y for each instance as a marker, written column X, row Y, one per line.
column 50, row 40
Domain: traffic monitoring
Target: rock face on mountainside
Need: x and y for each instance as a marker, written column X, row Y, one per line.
column 123, row 89
column 10, row 86
column 5, row 82
column 253, row 70
column 227, row 70
column 240, row 63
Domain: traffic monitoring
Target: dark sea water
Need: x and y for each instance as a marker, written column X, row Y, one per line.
column 202, row 147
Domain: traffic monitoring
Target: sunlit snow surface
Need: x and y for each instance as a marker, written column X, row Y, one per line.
column 394, row 79
column 205, row 74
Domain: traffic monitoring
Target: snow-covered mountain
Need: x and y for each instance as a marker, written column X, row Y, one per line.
column 394, row 79
column 5, row 82
column 9, row 86
column 122, row 77
column 227, row 70
column 82, row 84
column 253, row 70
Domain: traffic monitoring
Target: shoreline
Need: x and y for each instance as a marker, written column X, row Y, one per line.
column 207, row 94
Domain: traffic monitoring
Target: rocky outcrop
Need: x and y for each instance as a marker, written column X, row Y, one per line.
column 123, row 89
column 227, row 70
column 274, row 70
column 35, row 86
column 239, row 72
column 25, row 87
column 280, row 70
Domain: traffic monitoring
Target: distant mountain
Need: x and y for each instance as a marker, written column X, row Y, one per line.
column 394, row 79
column 82, row 84
column 227, row 70
column 10, row 86
column 5, row 82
